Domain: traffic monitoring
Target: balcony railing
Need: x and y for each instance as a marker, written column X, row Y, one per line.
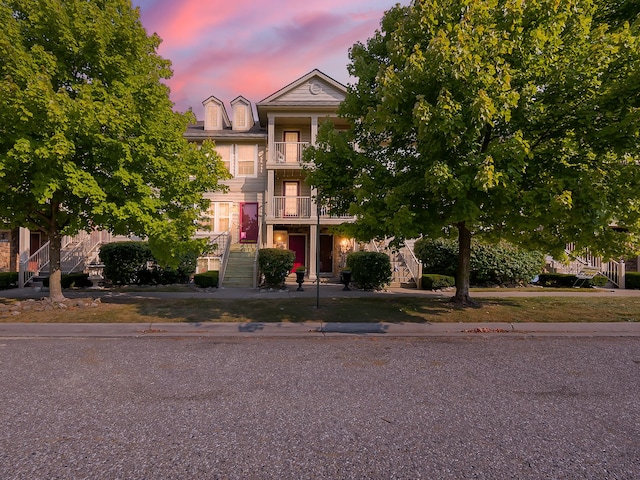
column 291, row 207
column 289, row 152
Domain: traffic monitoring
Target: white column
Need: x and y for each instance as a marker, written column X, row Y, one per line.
column 269, row 236
column 622, row 278
column 271, row 135
column 271, row 182
column 314, row 129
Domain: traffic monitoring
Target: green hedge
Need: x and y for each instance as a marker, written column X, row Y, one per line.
column 75, row 280
column 567, row 280
column 207, row 279
column 433, row 281
column 490, row 264
column 370, row 270
column 632, row 280
column 275, row 264
column 132, row 262
column 8, row 280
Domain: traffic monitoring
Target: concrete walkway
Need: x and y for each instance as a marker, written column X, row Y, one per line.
column 315, row 329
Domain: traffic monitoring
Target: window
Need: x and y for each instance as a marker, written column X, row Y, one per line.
column 212, row 117
column 240, row 160
column 247, row 160
column 225, row 153
column 218, row 217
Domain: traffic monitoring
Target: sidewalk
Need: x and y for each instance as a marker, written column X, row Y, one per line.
column 315, row 329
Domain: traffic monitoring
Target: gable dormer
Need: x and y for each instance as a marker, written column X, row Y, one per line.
column 215, row 115
column 242, row 114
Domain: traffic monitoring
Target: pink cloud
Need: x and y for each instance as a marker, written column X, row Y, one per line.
column 246, row 48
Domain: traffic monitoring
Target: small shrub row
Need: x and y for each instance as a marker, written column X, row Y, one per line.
column 370, row 270
column 71, row 280
column 632, row 280
column 207, row 279
column 275, row 264
column 128, row 263
column 567, row 280
column 433, row 281
column 8, row 280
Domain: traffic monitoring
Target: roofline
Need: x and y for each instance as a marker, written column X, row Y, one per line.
column 300, row 81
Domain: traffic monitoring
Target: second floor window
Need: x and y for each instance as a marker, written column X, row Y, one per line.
column 240, row 160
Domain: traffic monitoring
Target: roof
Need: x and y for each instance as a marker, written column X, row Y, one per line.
column 197, row 132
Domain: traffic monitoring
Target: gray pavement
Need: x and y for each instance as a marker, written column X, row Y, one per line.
column 334, row 407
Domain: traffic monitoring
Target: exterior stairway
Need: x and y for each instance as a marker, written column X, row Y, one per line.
column 239, row 271
column 405, row 267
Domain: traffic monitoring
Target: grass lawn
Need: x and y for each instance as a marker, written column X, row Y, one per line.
column 406, row 309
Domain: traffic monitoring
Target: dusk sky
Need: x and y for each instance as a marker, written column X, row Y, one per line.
column 228, row 48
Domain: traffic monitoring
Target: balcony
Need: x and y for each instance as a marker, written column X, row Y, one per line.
column 291, row 207
column 288, row 153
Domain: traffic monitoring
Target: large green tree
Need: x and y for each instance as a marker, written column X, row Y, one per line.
column 504, row 118
column 88, row 137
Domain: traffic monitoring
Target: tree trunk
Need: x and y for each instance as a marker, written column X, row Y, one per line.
column 464, row 267
column 55, row 274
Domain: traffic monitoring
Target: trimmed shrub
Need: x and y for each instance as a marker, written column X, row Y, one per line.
column 433, row 281
column 632, row 280
column 437, row 255
column 8, row 280
column 124, row 260
column 491, row 264
column 370, row 270
column 275, row 264
column 207, row 279
column 568, row 280
column 71, row 280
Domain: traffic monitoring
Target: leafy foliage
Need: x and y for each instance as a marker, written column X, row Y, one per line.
column 88, row 137
column 8, row 280
column 207, row 279
column 433, row 281
column 123, row 260
column 275, row 264
column 71, row 280
column 370, row 270
column 490, row 264
column 495, row 118
column 568, row 280
column 632, row 280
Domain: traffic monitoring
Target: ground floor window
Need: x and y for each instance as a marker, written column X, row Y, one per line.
column 218, row 217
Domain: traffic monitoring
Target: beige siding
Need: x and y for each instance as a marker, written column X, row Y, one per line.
column 313, row 91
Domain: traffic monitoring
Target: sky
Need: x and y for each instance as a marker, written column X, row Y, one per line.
column 228, row 48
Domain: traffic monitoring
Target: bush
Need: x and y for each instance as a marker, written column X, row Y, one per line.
column 70, row 280
column 497, row 264
column 438, row 255
column 568, row 280
column 632, row 280
column 275, row 264
column 433, row 281
column 370, row 270
column 8, row 280
column 124, row 260
column 207, row 279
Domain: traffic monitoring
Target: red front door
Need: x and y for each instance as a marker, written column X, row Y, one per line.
column 298, row 244
column 248, row 223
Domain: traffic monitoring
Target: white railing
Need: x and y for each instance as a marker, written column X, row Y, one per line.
column 31, row 266
column 291, row 207
column 85, row 245
column 402, row 258
column 612, row 269
column 288, row 152
column 225, row 239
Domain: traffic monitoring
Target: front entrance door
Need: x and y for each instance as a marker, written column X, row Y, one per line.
column 298, row 243
column 326, row 253
column 249, row 223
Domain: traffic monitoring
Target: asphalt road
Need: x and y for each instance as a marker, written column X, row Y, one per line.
column 336, row 407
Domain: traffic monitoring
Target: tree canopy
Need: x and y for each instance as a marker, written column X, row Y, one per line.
column 88, row 137
column 503, row 118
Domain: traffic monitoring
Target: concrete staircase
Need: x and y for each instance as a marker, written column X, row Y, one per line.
column 240, row 266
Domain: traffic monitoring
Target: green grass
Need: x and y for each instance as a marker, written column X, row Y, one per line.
column 370, row 309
